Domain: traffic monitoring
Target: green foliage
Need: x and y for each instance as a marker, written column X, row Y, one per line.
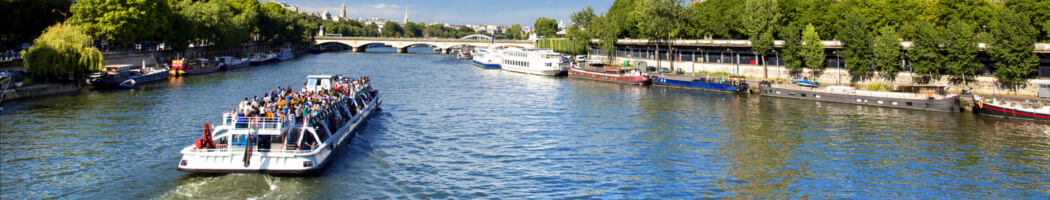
column 760, row 26
column 857, row 50
column 719, row 19
column 1037, row 12
column 812, row 49
column 413, row 30
column 887, row 49
column 466, row 30
column 792, row 47
column 372, row 30
column 1011, row 46
column 622, row 14
column 582, row 17
column 126, row 21
column 63, row 49
column 546, row 27
column 969, row 11
column 925, row 54
column 514, row 32
column 607, row 33
column 961, row 48
column 392, row 29
column 876, row 87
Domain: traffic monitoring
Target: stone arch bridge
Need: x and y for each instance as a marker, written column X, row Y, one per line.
column 358, row 44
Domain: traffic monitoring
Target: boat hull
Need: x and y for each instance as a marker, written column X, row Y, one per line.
column 1002, row 111
column 536, row 72
column 616, row 78
column 235, row 66
column 140, row 79
column 108, row 82
column 949, row 104
column 280, row 163
column 263, row 62
column 699, row 85
column 486, row 66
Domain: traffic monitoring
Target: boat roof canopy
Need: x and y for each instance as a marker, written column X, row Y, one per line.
column 320, row 76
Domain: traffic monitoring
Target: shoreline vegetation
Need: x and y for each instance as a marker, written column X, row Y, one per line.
column 945, row 34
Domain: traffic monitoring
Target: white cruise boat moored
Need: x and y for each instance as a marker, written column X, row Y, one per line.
column 487, row 58
column 534, row 61
column 286, row 143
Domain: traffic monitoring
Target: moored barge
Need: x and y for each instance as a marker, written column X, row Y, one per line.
column 930, row 98
column 611, row 74
column 300, row 133
column 733, row 84
column 1034, row 110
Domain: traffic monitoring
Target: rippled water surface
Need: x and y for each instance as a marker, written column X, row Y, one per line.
column 451, row 130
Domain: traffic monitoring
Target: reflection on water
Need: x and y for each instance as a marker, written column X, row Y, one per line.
column 452, row 130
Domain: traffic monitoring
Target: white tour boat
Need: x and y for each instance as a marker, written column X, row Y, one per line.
column 286, row 143
column 487, row 58
column 534, row 61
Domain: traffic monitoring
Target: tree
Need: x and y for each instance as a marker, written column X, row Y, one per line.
column 792, row 47
column 23, row 20
column 924, row 55
column 582, row 17
column 717, row 19
column 887, row 49
column 857, row 45
column 126, row 21
column 764, row 14
column 623, row 13
column 1011, row 47
column 962, row 49
column 413, row 30
column 1036, row 10
column 466, row 30
column 392, row 29
column 514, row 32
column 660, row 19
column 546, row 27
column 63, row 49
column 372, row 30
column 607, row 32
column 969, row 11
column 813, row 50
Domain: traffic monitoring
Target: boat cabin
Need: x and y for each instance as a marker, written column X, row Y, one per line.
column 318, row 82
column 113, row 71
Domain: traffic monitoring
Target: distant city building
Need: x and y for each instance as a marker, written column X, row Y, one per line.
column 326, row 15
column 406, row 16
column 342, row 13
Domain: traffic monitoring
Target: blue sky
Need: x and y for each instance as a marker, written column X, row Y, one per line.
column 506, row 12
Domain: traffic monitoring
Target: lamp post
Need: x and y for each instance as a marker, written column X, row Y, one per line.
column 64, row 17
column 838, row 78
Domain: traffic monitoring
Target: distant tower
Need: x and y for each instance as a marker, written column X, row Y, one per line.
column 342, row 13
column 406, row 15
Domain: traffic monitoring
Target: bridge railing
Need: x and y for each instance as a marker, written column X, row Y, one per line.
column 418, row 39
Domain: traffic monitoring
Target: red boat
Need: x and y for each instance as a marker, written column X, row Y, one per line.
column 1029, row 109
column 192, row 67
column 610, row 74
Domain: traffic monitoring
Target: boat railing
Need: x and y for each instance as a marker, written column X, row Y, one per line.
column 272, row 123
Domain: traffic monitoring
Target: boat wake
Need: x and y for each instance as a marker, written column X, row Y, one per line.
column 242, row 186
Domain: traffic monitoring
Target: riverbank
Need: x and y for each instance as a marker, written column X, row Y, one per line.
column 835, row 76
column 38, row 91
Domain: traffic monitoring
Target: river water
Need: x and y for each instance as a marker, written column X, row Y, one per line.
column 452, row 130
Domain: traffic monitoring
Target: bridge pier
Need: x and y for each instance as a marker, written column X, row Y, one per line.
column 444, row 51
column 402, row 50
column 358, row 49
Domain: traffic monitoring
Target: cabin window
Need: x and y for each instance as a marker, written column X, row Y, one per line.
column 311, row 82
column 893, row 103
column 803, row 94
column 778, row 91
column 907, row 103
column 880, row 101
column 860, row 101
column 325, row 83
column 791, row 93
column 816, row 96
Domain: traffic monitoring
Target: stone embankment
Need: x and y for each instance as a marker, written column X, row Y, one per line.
column 40, row 90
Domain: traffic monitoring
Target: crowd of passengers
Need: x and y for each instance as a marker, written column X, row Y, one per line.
column 286, row 104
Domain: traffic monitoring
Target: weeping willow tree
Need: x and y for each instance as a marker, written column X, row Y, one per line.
column 63, row 50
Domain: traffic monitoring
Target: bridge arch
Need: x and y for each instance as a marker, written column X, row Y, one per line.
column 476, row 36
